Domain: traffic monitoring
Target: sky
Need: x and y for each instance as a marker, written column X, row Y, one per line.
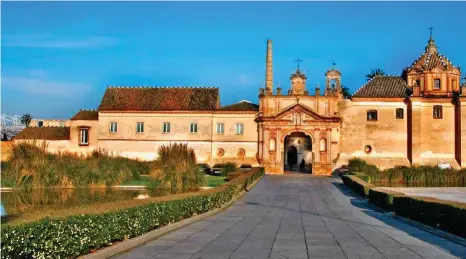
column 59, row 57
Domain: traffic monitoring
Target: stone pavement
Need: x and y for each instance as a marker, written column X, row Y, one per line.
column 299, row 217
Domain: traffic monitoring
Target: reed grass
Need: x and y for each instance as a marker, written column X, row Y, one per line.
column 409, row 176
column 31, row 167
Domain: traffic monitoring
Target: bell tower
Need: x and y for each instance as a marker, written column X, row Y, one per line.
column 298, row 81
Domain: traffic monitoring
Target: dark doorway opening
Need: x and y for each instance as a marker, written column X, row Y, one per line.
column 292, row 158
column 298, row 155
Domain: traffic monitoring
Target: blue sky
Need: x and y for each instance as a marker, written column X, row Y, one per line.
column 60, row 57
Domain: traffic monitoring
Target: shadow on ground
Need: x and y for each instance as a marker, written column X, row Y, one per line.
column 412, row 230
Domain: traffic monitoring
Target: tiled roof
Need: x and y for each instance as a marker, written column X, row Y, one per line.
column 45, row 133
column 86, row 115
column 241, row 106
column 383, row 87
column 160, row 99
column 429, row 61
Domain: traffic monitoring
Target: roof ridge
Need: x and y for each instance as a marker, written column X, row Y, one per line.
column 163, row 87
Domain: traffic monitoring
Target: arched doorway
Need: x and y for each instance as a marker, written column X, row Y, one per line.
column 292, row 156
column 298, row 156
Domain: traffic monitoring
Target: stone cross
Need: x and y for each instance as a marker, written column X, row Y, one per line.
column 298, row 61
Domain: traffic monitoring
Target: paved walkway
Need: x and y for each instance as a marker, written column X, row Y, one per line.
column 299, row 217
column 442, row 193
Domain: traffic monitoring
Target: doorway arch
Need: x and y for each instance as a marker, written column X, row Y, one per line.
column 298, row 148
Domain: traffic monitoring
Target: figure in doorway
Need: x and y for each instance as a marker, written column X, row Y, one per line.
column 301, row 165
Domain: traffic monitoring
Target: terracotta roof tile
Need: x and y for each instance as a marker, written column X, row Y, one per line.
column 383, row 87
column 241, row 106
column 429, row 61
column 45, row 133
column 160, row 99
column 86, row 115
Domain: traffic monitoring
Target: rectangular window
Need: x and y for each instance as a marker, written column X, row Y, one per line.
column 239, row 128
column 193, row 128
column 372, row 115
column 399, row 113
column 40, row 124
column 140, row 127
column 166, row 127
column 113, row 127
column 83, row 137
column 437, row 84
column 438, row 111
column 220, row 128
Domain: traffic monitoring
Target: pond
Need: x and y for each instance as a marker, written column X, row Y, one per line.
column 18, row 202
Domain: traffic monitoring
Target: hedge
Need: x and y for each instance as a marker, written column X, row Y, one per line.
column 357, row 185
column 78, row 235
column 440, row 214
column 447, row 216
column 383, row 199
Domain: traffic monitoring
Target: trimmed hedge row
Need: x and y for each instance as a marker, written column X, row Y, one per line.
column 442, row 215
column 357, row 185
column 447, row 216
column 78, row 235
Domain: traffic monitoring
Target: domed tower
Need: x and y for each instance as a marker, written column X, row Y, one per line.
column 433, row 74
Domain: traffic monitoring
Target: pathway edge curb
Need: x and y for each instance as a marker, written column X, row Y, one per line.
column 126, row 245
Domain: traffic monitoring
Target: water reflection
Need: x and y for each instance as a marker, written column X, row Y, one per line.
column 19, row 202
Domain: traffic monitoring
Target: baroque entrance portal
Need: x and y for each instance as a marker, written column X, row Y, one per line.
column 298, row 153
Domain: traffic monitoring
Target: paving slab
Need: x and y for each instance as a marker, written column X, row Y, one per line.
column 299, row 217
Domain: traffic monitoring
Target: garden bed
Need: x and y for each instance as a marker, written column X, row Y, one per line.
column 74, row 235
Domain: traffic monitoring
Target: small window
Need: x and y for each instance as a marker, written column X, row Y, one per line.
column 83, row 137
column 438, row 111
column 166, row 127
column 372, row 115
column 417, row 82
column 193, row 128
column 139, row 127
column 399, row 113
column 220, row 128
column 239, row 128
column 40, row 124
column 272, row 144
column 436, row 84
column 113, row 127
column 367, row 149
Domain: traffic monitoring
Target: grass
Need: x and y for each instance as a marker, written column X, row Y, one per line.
column 418, row 176
column 214, row 181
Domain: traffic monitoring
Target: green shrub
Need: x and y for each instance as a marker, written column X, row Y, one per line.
column 382, row 199
column 357, row 185
column 229, row 168
column 439, row 214
column 78, row 235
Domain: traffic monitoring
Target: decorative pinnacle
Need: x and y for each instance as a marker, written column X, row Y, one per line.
column 431, row 29
column 333, row 64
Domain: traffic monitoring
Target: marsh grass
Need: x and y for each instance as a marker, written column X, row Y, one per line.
column 176, row 168
column 31, row 167
column 408, row 176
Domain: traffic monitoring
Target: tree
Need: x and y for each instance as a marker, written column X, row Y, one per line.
column 26, row 119
column 375, row 72
column 345, row 91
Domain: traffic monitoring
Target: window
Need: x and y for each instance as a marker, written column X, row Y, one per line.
column 372, row 115
column 113, row 127
column 193, row 128
column 417, row 82
column 436, row 84
column 220, row 128
column 399, row 113
column 139, row 127
column 368, row 149
column 323, row 144
column 438, row 111
column 83, row 137
column 272, row 144
column 40, row 124
column 166, row 127
column 239, row 128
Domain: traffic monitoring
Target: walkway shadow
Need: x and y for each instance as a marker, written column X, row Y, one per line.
column 380, row 214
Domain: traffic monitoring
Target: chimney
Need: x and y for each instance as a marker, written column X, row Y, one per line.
column 268, row 69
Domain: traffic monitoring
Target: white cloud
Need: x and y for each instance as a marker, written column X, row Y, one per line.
column 50, row 41
column 42, row 86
